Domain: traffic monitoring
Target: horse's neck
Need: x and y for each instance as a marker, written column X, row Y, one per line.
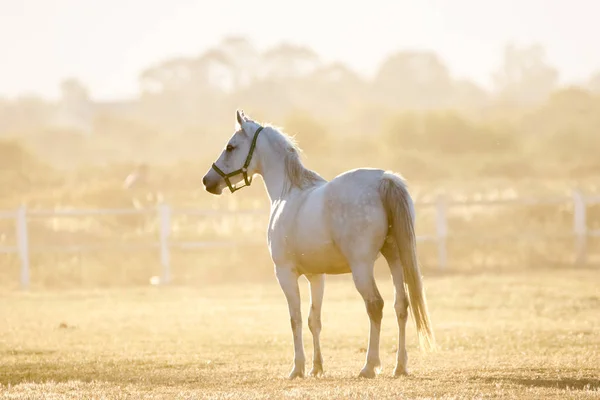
column 274, row 171
column 275, row 177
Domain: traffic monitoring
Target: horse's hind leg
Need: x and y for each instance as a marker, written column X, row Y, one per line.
column 362, row 274
column 392, row 256
column 317, row 288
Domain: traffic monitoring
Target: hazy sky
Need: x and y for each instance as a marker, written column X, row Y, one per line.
column 106, row 43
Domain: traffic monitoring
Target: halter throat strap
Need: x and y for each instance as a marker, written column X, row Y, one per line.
column 243, row 170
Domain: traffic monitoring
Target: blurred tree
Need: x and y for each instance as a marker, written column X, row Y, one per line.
column 414, row 79
column 21, row 170
column 594, row 83
column 281, row 82
column 288, row 61
column 311, row 134
column 567, row 125
column 572, row 99
column 468, row 95
column 524, row 77
column 172, row 75
column 328, row 91
column 15, row 156
column 76, row 110
column 448, row 132
column 184, row 89
column 24, row 113
column 73, row 90
column 337, row 74
column 243, row 59
column 339, row 83
column 4, row 115
column 214, row 70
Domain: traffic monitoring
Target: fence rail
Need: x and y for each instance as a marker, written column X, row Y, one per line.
column 165, row 244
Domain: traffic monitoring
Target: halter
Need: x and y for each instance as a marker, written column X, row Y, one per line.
column 243, row 170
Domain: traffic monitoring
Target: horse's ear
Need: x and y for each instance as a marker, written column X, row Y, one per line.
column 239, row 114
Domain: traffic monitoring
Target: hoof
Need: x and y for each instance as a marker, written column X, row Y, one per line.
column 369, row 372
column 400, row 372
column 316, row 370
column 296, row 373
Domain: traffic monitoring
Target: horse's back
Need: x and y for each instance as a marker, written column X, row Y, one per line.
column 342, row 198
column 359, row 176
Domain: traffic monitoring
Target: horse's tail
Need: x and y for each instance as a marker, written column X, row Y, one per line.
column 400, row 210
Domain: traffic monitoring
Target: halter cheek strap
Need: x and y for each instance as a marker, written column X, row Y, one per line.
column 243, row 170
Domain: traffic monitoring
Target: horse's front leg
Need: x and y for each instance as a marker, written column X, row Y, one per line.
column 288, row 280
column 317, row 288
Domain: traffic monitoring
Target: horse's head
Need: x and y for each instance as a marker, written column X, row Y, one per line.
column 236, row 162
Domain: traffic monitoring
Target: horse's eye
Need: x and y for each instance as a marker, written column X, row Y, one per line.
column 230, row 147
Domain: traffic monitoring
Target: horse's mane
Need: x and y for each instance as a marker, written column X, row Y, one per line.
column 299, row 176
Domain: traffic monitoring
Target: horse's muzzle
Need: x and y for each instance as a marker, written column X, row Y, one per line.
column 214, row 189
column 212, row 186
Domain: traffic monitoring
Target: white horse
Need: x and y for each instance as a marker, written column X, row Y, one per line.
column 318, row 227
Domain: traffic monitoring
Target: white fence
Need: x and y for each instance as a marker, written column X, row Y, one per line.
column 164, row 244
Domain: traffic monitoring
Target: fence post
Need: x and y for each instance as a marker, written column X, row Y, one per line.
column 442, row 231
column 23, row 246
column 165, row 231
column 579, row 227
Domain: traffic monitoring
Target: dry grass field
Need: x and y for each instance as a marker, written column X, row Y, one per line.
column 531, row 334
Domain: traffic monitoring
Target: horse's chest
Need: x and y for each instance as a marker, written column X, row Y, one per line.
column 281, row 233
column 278, row 233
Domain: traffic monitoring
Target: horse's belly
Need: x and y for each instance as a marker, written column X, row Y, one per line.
column 321, row 259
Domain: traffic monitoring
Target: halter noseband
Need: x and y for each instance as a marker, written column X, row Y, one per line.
column 243, row 170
